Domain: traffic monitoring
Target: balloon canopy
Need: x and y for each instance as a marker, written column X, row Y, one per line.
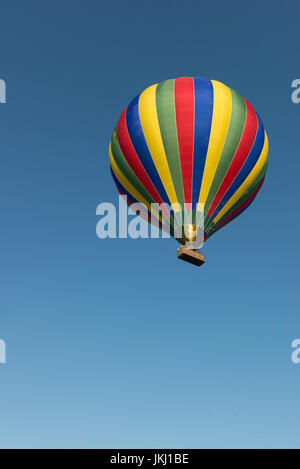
column 191, row 144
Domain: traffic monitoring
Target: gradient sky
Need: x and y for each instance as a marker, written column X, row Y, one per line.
column 116, row 343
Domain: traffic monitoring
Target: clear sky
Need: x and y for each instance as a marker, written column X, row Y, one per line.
column 116, row 343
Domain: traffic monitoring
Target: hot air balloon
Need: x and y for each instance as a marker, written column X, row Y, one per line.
column 193, row 143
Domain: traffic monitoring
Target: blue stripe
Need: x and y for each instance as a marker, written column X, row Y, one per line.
column 131, row 199
column 139, row 142
column 204, row 103
column 247, row 167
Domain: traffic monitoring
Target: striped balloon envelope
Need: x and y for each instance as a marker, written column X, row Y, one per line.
column 189, row 143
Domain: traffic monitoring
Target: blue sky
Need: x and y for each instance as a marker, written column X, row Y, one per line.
column 116, row 343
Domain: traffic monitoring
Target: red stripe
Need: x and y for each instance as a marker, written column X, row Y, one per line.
column 243, row 205
column 240, row 156
column 151, row 219
column 133, row 207
column 134, row 161
column 184, row 108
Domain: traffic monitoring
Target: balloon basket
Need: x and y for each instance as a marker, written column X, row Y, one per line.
column 190, row 255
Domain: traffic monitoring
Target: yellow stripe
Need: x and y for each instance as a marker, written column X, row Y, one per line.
column 248, row 181
column 219, row 128
column 124, row 181
column 130, row 189
column 151, row 129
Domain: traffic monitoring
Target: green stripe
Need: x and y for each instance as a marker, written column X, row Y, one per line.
column 126, row 169
column 241, row 200
column 233, row 137
column 132, row 178
column 210, row 229
column 207, row 222
column 165, row 104
column 247, row 194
